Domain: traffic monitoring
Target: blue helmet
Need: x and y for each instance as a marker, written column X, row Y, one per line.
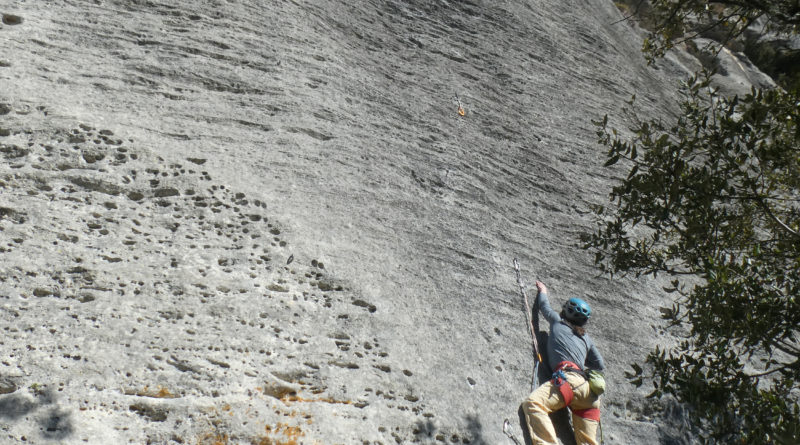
column 577, row 311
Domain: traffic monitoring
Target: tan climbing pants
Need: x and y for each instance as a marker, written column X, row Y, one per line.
column 547, row 399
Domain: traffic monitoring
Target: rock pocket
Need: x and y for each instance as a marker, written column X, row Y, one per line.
column 11, row 19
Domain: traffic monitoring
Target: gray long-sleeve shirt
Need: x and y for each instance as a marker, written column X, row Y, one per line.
column 563, row 344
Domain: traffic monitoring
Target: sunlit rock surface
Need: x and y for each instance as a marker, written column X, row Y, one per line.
column 269, row 223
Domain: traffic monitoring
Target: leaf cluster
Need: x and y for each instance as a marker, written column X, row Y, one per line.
column 676, row 21
column 715, row 195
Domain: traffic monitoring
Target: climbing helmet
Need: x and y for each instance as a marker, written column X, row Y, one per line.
column 577, row 311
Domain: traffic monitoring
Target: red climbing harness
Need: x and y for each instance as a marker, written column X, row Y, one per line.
column 588, row 413
column 560, row 381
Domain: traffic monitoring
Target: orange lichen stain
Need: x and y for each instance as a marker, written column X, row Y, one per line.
column 282, row 393
column 159, row 393
column 227, row 408
column 291, row 435
column 277, row 391
column 163, row 393
column 213, row 439
column 298, row 399
column 210, row 410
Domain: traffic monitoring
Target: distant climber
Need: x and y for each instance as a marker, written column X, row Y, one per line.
column 575, row 359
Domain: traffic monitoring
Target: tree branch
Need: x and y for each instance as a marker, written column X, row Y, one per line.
column 635, row 12
column 716, row 24
column 787, row 348
column 780, row 223
column 793, row 364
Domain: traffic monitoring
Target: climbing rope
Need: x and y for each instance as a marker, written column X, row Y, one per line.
column 537, row 358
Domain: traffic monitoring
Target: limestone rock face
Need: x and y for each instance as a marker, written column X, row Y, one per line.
column 293, row 222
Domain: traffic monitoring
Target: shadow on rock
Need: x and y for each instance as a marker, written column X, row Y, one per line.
column 475, row 430
column 14, row 406
column 55, row 424
column 563, row 426
column 676, row 428
column 473, row 434
column 523, row 424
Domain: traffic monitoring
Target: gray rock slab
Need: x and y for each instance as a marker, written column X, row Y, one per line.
column 267, row 222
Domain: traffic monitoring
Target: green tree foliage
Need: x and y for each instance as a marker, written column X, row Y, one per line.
column 712, row 199
column 680, row 20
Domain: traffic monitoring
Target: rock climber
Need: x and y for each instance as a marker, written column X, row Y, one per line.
column 575, row 359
